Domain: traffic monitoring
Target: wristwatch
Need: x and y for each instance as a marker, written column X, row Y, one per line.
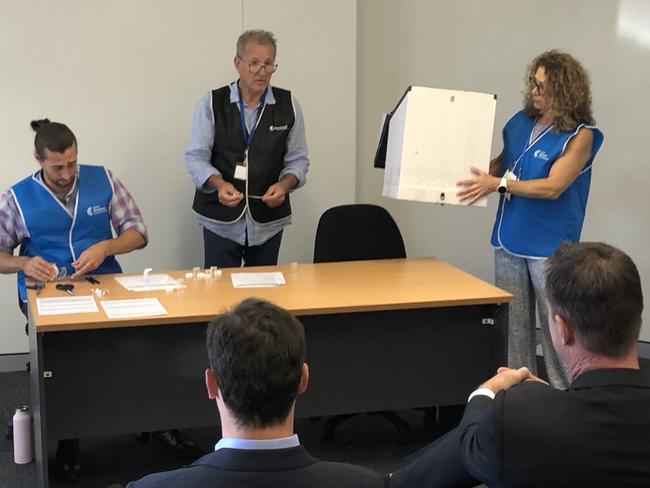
column 503, row 185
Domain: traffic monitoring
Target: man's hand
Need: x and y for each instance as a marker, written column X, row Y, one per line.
column 39, row 269
column 91, row 259
column 227, row 194
column 275, row 195
column 277, row 192
column 507, row 377
column 475, row 188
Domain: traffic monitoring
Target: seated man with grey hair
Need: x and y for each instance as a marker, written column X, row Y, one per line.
column 517, row 431
column 257, row 369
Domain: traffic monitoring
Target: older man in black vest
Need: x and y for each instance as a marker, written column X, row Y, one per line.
column 247, row 152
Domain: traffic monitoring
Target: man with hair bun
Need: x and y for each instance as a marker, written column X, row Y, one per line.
column 62, row 217
column 247, row 152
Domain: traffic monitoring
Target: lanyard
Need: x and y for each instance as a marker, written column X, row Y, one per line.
column 530, row 144
column 248, row 137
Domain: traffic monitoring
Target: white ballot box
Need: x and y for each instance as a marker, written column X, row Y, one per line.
column 431, row 140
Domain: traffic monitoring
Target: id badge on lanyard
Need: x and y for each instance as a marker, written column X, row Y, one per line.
column 531, row 143
column 241, row 169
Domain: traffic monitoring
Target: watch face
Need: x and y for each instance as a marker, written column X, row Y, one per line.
column 501, row 189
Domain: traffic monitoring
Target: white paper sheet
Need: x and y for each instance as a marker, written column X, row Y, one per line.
column 257, row 280
column 65, row 305
column 139, row 307
column 152, row 283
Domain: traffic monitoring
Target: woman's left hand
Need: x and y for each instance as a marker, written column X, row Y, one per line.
column 476, row 188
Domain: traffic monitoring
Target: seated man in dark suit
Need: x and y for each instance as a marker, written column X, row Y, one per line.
column 517, row 432
column 257, row 369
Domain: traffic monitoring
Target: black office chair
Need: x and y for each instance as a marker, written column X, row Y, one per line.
column 357, row 232
column 353, row 233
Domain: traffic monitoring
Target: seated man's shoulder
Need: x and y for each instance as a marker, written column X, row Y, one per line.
column 532, row 390
column 169, row 479
column 344, row 475
column 317, row 474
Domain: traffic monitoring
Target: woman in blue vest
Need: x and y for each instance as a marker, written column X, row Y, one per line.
column 543, row 176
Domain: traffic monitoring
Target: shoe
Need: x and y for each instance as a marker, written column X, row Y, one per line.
column 176, row 440
column 67, row 465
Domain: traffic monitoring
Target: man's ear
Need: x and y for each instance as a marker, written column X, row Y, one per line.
column 567, row 334
column 37, row 157
column 304, row 379
column 211, row 384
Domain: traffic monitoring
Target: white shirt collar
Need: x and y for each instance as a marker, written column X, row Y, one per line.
column 257, row 444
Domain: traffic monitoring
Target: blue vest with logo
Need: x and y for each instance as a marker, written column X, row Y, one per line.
column 57, row 236
column 533, row 227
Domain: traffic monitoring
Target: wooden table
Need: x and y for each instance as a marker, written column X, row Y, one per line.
column 381, row 335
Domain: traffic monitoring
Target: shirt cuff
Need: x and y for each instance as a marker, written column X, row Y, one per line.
column 203, row 176
column 301, row 180
column 483, row 392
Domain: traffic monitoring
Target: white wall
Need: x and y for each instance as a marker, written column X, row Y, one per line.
column 486, row 46
column 125, row 76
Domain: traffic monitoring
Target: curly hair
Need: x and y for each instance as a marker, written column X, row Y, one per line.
column 566, row 90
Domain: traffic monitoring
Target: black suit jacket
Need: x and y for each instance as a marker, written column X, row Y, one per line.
column 282, row 468
column 596, row 433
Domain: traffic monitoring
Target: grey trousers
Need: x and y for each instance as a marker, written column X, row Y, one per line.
column 524, row 278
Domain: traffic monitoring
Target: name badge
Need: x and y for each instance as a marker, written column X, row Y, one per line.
column 241, row 172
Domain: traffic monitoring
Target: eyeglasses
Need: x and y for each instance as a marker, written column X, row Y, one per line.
column 257, row 67
column 536, row 84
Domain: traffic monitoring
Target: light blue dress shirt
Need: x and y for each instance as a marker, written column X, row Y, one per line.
column 199, row 152
column 257, row 444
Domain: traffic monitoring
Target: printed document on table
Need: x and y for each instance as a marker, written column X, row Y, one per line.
column 257, row 280
column 144, row 307
column 63, row 305
column 151, row 283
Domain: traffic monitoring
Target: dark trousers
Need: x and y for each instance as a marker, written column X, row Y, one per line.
column 225, row 253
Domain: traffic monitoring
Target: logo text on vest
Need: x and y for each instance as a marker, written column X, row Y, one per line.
column 96, row 210
column 539, row 154
column 278, row 127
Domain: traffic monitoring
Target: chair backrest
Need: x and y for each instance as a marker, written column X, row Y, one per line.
column 357, row 232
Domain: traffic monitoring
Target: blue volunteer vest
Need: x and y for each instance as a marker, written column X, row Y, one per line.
column 533, row 227
column 53, row 233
